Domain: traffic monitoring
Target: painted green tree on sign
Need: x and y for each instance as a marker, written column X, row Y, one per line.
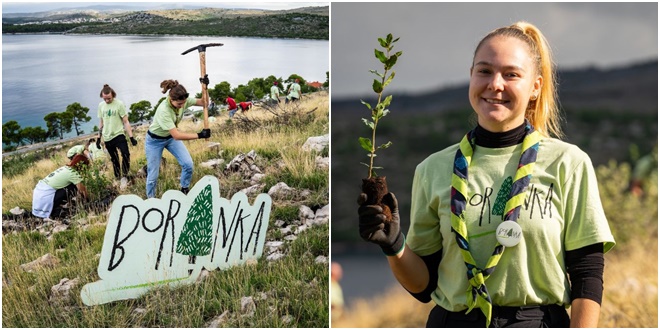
column 503, row 196
column 196, row 235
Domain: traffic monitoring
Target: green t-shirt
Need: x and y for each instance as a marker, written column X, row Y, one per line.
column 112, row 114
column 97, row 153
column 295, row 91
column 75, row 150
column 167, row 117
column 62, row 177
column 274, row 92
column 562, row 212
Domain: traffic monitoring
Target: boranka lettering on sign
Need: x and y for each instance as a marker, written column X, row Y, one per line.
column 166, row 242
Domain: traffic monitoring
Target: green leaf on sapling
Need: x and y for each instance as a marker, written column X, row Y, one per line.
column 386, row 102
column 376, row 73
column 366, row 144
column 368, row 123
column 380, row 55
column 389, row 63
column 389, row 79
column 377, row 86
column 382, row 42
column 385, row 145
column 367, row 104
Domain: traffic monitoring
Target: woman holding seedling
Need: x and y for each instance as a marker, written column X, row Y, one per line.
column 503, row 219
column 58, row 188
column 164, row 134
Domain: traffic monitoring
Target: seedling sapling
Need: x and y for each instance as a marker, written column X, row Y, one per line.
column 376, row 186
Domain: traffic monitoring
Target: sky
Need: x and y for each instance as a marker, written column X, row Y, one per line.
column 438, row 39
column 28, row 7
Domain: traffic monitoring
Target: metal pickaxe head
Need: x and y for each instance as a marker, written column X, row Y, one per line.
column 201, row 48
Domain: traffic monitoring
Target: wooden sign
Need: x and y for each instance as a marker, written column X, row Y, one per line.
column 167, row 241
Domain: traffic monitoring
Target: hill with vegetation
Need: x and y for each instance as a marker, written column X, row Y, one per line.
column 286, row 287
column 304, row 23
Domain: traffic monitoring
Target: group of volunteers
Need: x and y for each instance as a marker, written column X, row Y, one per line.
column 52, row 194
column 293, row 94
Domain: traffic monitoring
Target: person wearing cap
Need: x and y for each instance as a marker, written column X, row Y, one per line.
column 58, row 188
column 274, row 93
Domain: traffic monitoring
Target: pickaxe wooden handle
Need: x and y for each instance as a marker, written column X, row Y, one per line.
column 202, row 63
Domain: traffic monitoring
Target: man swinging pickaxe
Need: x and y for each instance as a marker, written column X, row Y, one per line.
column 204, row 79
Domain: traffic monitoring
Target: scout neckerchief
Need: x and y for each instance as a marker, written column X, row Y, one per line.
column 477, row 294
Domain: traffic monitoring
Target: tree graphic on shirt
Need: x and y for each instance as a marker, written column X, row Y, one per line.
column 503, row 197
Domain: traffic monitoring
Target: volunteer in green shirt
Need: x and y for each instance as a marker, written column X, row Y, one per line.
column 500, row 221
column 79, row 149
column 274, row 93
column 58, row 188
column 294, row 92
column 164, row 134
column 113, row 121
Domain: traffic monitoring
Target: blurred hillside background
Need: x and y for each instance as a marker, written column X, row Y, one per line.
column 606, row 56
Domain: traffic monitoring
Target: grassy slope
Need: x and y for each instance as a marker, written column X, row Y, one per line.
column 295, row 288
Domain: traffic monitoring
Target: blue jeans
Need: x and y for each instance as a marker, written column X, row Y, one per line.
column 153, row 148
column 232, row 112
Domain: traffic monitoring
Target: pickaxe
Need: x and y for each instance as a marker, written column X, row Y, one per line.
column 202, row 62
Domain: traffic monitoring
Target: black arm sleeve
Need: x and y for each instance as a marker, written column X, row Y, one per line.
column 585, row 270
column 432, row 262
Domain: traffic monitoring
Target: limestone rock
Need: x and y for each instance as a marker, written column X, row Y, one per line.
column 248, row 307
column 253, row 190
column 212, row 163
column 322, row 215
column 317, row 143
column 45, row 261
column 281, row 190
column 60, row 292
column 275, row 256
column 17, row 211
column 305, row 214
column 322, row 162
column 218, row 320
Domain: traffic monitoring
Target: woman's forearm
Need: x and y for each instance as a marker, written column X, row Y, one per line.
column 584, row 313
column 410, row 270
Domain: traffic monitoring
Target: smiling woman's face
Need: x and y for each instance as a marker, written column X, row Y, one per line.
column 503, row 79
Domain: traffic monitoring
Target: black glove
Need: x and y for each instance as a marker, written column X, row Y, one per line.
column 98, row 142
column 205, row 80
column 204, row 134
column 133, row 141
column 373, row 227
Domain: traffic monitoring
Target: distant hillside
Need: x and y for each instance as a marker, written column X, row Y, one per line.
column 306, row 22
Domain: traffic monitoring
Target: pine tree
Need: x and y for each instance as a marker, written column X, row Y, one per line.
column 196, row 236
column 502, row 197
